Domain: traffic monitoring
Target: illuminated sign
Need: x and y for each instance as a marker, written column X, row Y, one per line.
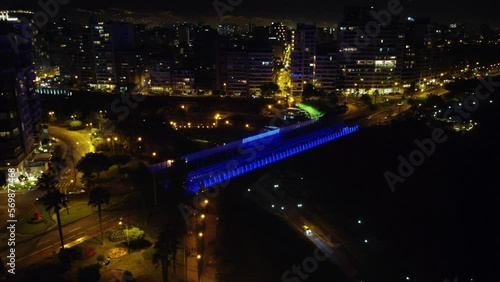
column 4, row 16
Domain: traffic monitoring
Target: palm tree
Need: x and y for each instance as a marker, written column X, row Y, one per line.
column 166, row 246
column 98, row 197
column 376, row 94
column 55, row 200
column 47, row 182
column 90, row 164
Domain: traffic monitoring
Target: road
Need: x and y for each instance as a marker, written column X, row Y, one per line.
column 355, row 110
column 75, row 144
column 72, row 142
column 36, row 249
column 386, row 115
column 297, row 217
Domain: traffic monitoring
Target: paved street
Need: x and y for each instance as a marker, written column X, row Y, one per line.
column 30, row 251
column 206, row 270
column 297, row 218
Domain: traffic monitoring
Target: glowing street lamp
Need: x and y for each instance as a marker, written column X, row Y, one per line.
column 126, row 233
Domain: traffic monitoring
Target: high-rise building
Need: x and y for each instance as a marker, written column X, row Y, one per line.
column 259, row 66
column 303, row 52
column 206, row 40
column 237, row 81
column 370, row 53
column 440, row 58
column 70, row 48
column 249, row 65
column 158, row 67
column 20, row 113
column 415, row 55
column 185, row 33
column 112, row 43
column 325, row 67
column 226, row 29
column 279, row 32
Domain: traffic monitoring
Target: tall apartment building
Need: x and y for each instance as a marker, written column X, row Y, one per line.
column 303, row 55
column 104, row 59
column 158, row 67
column 441, row 55
column 205, row 45
column 236, row 82
column 370, row 55
column 20, row 113
column 70, row 48
column 113, row 45
column 249, row 65
column 279, row 32
column 325, row 67
column 260, row 62
column 415, row 55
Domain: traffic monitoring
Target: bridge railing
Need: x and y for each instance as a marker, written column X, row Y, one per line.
column 219, row 173
column 233, row 145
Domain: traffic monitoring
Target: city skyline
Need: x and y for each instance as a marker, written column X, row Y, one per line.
column 317, row 10
column 235, row 145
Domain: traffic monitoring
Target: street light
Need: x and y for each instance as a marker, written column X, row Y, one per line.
column 126, row 233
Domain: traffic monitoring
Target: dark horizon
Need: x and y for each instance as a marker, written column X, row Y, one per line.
column 318, row 10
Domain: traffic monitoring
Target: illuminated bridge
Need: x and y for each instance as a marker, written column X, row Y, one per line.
column 252, row 153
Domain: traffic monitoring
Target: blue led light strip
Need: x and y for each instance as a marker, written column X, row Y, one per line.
column 222, row 172
column 233, row 145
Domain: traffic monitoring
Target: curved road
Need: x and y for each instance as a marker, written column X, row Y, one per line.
column 75, row 145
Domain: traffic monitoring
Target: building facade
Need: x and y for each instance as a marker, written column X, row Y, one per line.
column 302, row 56
column 20, row 112
column 370, row 56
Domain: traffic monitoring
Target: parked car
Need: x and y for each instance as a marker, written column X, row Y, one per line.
column 77, row 191
column 42, row 198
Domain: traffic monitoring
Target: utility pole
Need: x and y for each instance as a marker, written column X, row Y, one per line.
column 154, row 187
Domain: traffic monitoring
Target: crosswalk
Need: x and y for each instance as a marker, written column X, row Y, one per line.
column 64, row 185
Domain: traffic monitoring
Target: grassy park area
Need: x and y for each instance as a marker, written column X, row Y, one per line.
column 93, row 254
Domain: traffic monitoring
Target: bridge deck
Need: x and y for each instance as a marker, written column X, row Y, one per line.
column 221, row 172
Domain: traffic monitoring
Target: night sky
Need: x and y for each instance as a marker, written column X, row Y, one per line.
column 474, row 12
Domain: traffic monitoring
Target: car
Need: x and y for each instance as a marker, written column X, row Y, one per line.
column 307, row 230
column 77, row 191
column 41, row 199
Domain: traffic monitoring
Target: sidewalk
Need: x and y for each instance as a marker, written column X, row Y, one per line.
column 209, row 270
column 202, row 269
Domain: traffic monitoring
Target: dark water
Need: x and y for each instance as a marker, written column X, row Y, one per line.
column 439, row 224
